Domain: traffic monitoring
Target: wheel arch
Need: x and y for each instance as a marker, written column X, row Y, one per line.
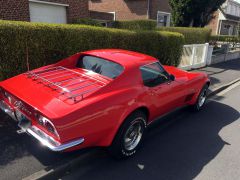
column 143, row 109
column 194, row 98
column 112, row 135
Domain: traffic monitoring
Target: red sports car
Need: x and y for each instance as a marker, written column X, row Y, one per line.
column 99, row 98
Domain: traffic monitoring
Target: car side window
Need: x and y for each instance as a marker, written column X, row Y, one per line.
column 154, row 74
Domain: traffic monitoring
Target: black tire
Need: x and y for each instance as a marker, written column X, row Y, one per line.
column 119, row 147
column 200, row 102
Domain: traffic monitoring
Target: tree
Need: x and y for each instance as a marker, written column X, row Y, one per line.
column 196, row 13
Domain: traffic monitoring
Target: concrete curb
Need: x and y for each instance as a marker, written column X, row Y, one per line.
column 60, row 170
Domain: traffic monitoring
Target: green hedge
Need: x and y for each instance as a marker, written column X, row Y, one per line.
column 87, row 21
column 48, row 43
column 135, row 25
column 192, row 35
column 224, row 38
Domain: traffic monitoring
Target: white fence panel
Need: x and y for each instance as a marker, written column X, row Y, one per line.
column 194, row 56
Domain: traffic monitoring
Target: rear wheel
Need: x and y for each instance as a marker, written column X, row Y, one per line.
column 202, row 97
column 129, row 136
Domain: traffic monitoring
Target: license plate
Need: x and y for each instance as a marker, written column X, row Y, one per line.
column 19, row 115
column 23, row 122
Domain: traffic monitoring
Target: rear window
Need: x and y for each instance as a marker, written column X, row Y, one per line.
column 101, row 66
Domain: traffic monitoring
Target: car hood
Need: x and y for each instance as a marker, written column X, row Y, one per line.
column 184, row 76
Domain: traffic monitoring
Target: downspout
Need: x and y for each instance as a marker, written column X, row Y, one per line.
column 220, row 28
column 148, row 9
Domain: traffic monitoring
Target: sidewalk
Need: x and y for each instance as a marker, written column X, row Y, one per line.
column 222, row 73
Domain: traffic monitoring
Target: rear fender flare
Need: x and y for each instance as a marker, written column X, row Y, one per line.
column 108, row 140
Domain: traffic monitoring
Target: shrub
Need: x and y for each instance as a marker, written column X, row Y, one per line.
column 87, row 21
column 136, row 24
column 48, row 43
column 192, row 35
column 225, row 38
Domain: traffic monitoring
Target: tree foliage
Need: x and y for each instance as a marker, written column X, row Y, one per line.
column 196, row 13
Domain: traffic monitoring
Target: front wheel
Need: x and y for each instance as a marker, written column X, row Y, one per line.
column 129, row 136
column 202, row 97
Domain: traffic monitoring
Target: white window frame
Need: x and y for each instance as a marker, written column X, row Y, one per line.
column 169, row 17
column 114, row 15
column 50, row 3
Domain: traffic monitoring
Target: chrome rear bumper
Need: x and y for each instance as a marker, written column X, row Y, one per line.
column 50, row 142
column 38, row 134
column 7, row 109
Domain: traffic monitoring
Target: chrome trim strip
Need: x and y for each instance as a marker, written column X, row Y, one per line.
column 50, row 142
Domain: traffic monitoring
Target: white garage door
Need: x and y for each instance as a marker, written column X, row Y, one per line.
column 51, row 13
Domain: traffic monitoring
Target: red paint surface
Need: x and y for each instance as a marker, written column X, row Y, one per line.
column 98, row 116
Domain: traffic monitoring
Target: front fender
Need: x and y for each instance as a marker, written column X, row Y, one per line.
column 204, row 80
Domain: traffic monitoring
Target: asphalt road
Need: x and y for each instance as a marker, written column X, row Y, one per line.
column 182, row 145
column 21, row 155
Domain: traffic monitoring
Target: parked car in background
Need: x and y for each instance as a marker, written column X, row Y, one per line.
column 101, row 98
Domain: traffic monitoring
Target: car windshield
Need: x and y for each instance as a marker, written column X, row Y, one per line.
column 100, row 66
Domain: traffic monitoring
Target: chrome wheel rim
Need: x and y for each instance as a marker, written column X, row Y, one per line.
column 133, row 135
column 202, row 98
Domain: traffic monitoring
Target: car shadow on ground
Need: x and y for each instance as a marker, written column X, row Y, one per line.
column 10, row 142
column 214, row 81
column 222, row 67
column 232, row 64
column 177, row 147
column 14, row 146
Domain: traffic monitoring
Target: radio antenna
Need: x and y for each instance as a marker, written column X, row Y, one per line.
column 27, row 57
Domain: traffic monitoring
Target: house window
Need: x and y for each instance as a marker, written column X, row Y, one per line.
column 163, row 18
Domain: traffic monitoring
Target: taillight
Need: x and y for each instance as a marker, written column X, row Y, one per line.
column 8, row 96
column 47, row 124
column 49, row 127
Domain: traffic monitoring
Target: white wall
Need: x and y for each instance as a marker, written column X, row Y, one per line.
column 232, row 7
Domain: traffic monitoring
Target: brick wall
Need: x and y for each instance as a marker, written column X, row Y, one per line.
column 19, row 9
column 14, row 10
column 125, row 9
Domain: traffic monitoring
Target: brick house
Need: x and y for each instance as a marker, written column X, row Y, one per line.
column 52, row 11
column 227, row 19
column 134, row 9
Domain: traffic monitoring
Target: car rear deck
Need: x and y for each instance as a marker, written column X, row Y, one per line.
column 71, row 85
